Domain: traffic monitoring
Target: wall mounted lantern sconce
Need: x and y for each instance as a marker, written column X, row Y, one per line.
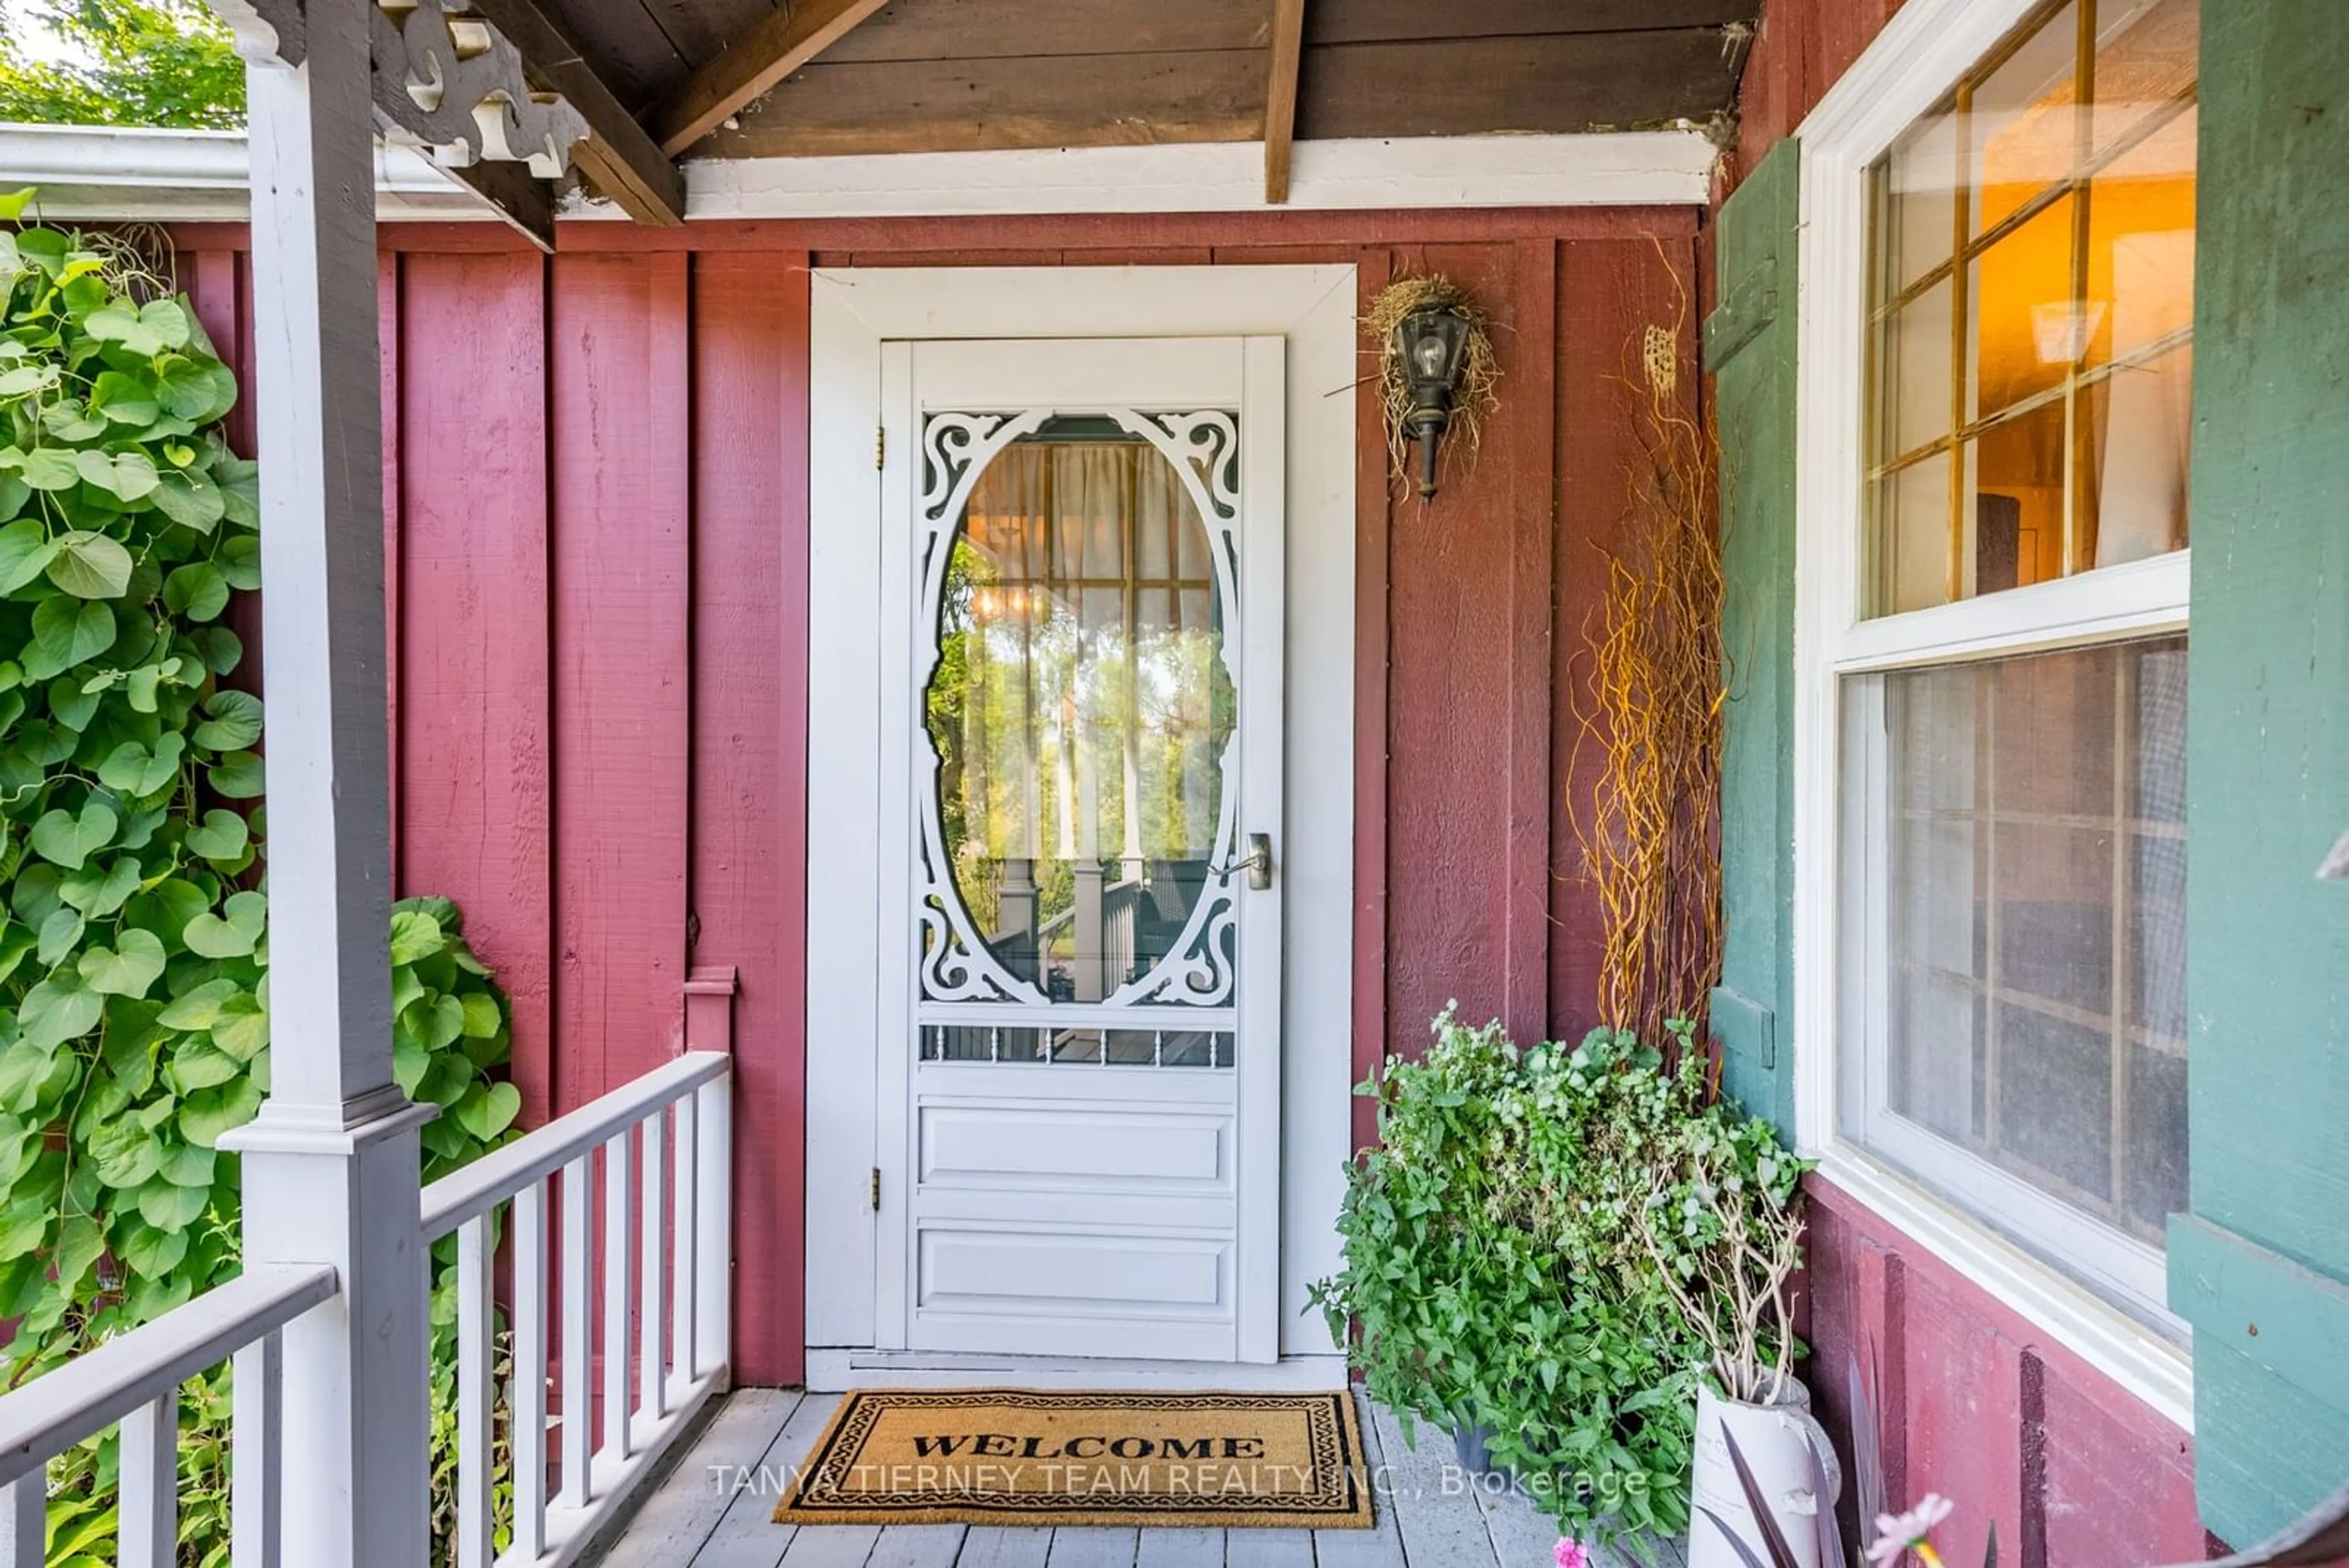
column 1432, row 343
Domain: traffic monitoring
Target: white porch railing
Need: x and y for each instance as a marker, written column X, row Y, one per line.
column 653, row 1158
column 660, row 1147
column 135, row 1381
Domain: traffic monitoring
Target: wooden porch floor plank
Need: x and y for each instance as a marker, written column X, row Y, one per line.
column 1439, row 1530
column 1180, row 1549
column 1382, row 1545
column 747, row 1535
column 1519, row 1530
column 703, row 1518
column 677, row 1519
column 1268, row 1548
column 1093, row 1547
column 832, row 1546
column 918, row 1546
column 1005, row 1546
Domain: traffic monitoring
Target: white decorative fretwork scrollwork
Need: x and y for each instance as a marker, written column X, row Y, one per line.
column 956, row 965
column 454, row 83
column 1201, row 968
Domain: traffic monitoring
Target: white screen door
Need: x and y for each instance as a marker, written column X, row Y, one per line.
column 1078, row 1071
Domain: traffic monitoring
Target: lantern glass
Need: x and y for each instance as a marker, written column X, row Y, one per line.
column 1432, row 344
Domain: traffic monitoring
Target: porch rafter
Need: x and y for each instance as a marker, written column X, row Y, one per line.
column 752, row 65
column 1280, row 97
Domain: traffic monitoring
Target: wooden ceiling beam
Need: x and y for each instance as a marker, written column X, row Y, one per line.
column 619, row 158
column 790, row 37
column 1280, row 97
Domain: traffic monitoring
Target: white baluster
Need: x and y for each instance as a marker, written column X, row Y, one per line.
column 256, row 1526
column 713, row 1246
column 527, row 1396
column 653, row 1302
column 148, row 1511
column 473, row 1393
column 685, row 1359
column 620, row 1244
column 23, row 1519
column 578, row 1348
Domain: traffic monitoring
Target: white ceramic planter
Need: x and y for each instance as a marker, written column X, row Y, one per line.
column 1777, row 1442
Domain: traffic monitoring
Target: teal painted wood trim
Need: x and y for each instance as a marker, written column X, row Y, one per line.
column 1750, row 347
column 2289, row 1321
column 2268, row 746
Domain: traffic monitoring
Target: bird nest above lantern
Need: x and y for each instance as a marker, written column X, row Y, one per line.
column 1436, row 374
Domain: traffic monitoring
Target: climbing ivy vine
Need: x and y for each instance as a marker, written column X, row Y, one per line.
column 134, row 988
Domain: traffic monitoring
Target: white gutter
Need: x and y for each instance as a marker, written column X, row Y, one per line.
column 96, row 172
column 92, row 173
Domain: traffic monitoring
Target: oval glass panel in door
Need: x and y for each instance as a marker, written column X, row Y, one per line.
column 1079, row 710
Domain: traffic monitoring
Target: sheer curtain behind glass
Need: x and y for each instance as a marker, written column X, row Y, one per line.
column 1080, row 712
column 2035, row 880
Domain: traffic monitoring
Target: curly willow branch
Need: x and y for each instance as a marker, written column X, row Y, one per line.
column 1649, row 711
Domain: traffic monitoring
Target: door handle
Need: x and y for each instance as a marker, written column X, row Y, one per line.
column 1256, row 862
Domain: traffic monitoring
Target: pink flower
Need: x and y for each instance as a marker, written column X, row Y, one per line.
column 1899, row 1532
column 1570, row 1553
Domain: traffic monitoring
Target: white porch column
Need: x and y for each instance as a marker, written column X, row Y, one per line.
column 330, row 1165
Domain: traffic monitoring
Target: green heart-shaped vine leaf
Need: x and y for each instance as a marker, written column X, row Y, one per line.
column 99, row 890
column 124, row 398
column 222, row 835
column 237, row 776
column 134, row 964
column 92, row 565
column 488, row 1109
column 208, row 1113
column 232, row 721
column 61, row 1008
column 68, row 839
column 131, row 769
column 24, row 547
column 233, row 933
column 240, row 562
column 170, row 1207
column 68, row 632
column 59, row 934
column 191, row 499
column 196, row 590
column 50, row 468
column 243, row 1027
column 198, row 1064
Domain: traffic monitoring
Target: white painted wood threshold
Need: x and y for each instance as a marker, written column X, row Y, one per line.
column 1911, row 65
column 99, row 173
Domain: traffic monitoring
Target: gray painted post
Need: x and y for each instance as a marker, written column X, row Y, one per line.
column 330, row 1167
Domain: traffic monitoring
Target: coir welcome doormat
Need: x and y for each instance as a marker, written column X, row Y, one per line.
column 1002, row 1456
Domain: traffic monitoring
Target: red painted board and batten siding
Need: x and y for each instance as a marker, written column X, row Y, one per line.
column 596, row 557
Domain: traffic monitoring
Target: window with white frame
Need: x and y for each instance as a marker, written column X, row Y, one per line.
column 2008, row 663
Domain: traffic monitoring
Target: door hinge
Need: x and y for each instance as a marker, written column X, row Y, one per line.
column 880, row 446
column 876, row 1189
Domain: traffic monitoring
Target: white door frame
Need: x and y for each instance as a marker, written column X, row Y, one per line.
column 853, row 312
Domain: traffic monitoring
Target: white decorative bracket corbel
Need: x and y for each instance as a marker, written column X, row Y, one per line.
column 267, row 32
column 454, row 83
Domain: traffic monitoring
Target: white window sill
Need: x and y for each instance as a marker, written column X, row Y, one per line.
column 2145, row 1366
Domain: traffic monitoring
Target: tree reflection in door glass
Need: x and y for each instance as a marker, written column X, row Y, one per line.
column 1079, row 710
